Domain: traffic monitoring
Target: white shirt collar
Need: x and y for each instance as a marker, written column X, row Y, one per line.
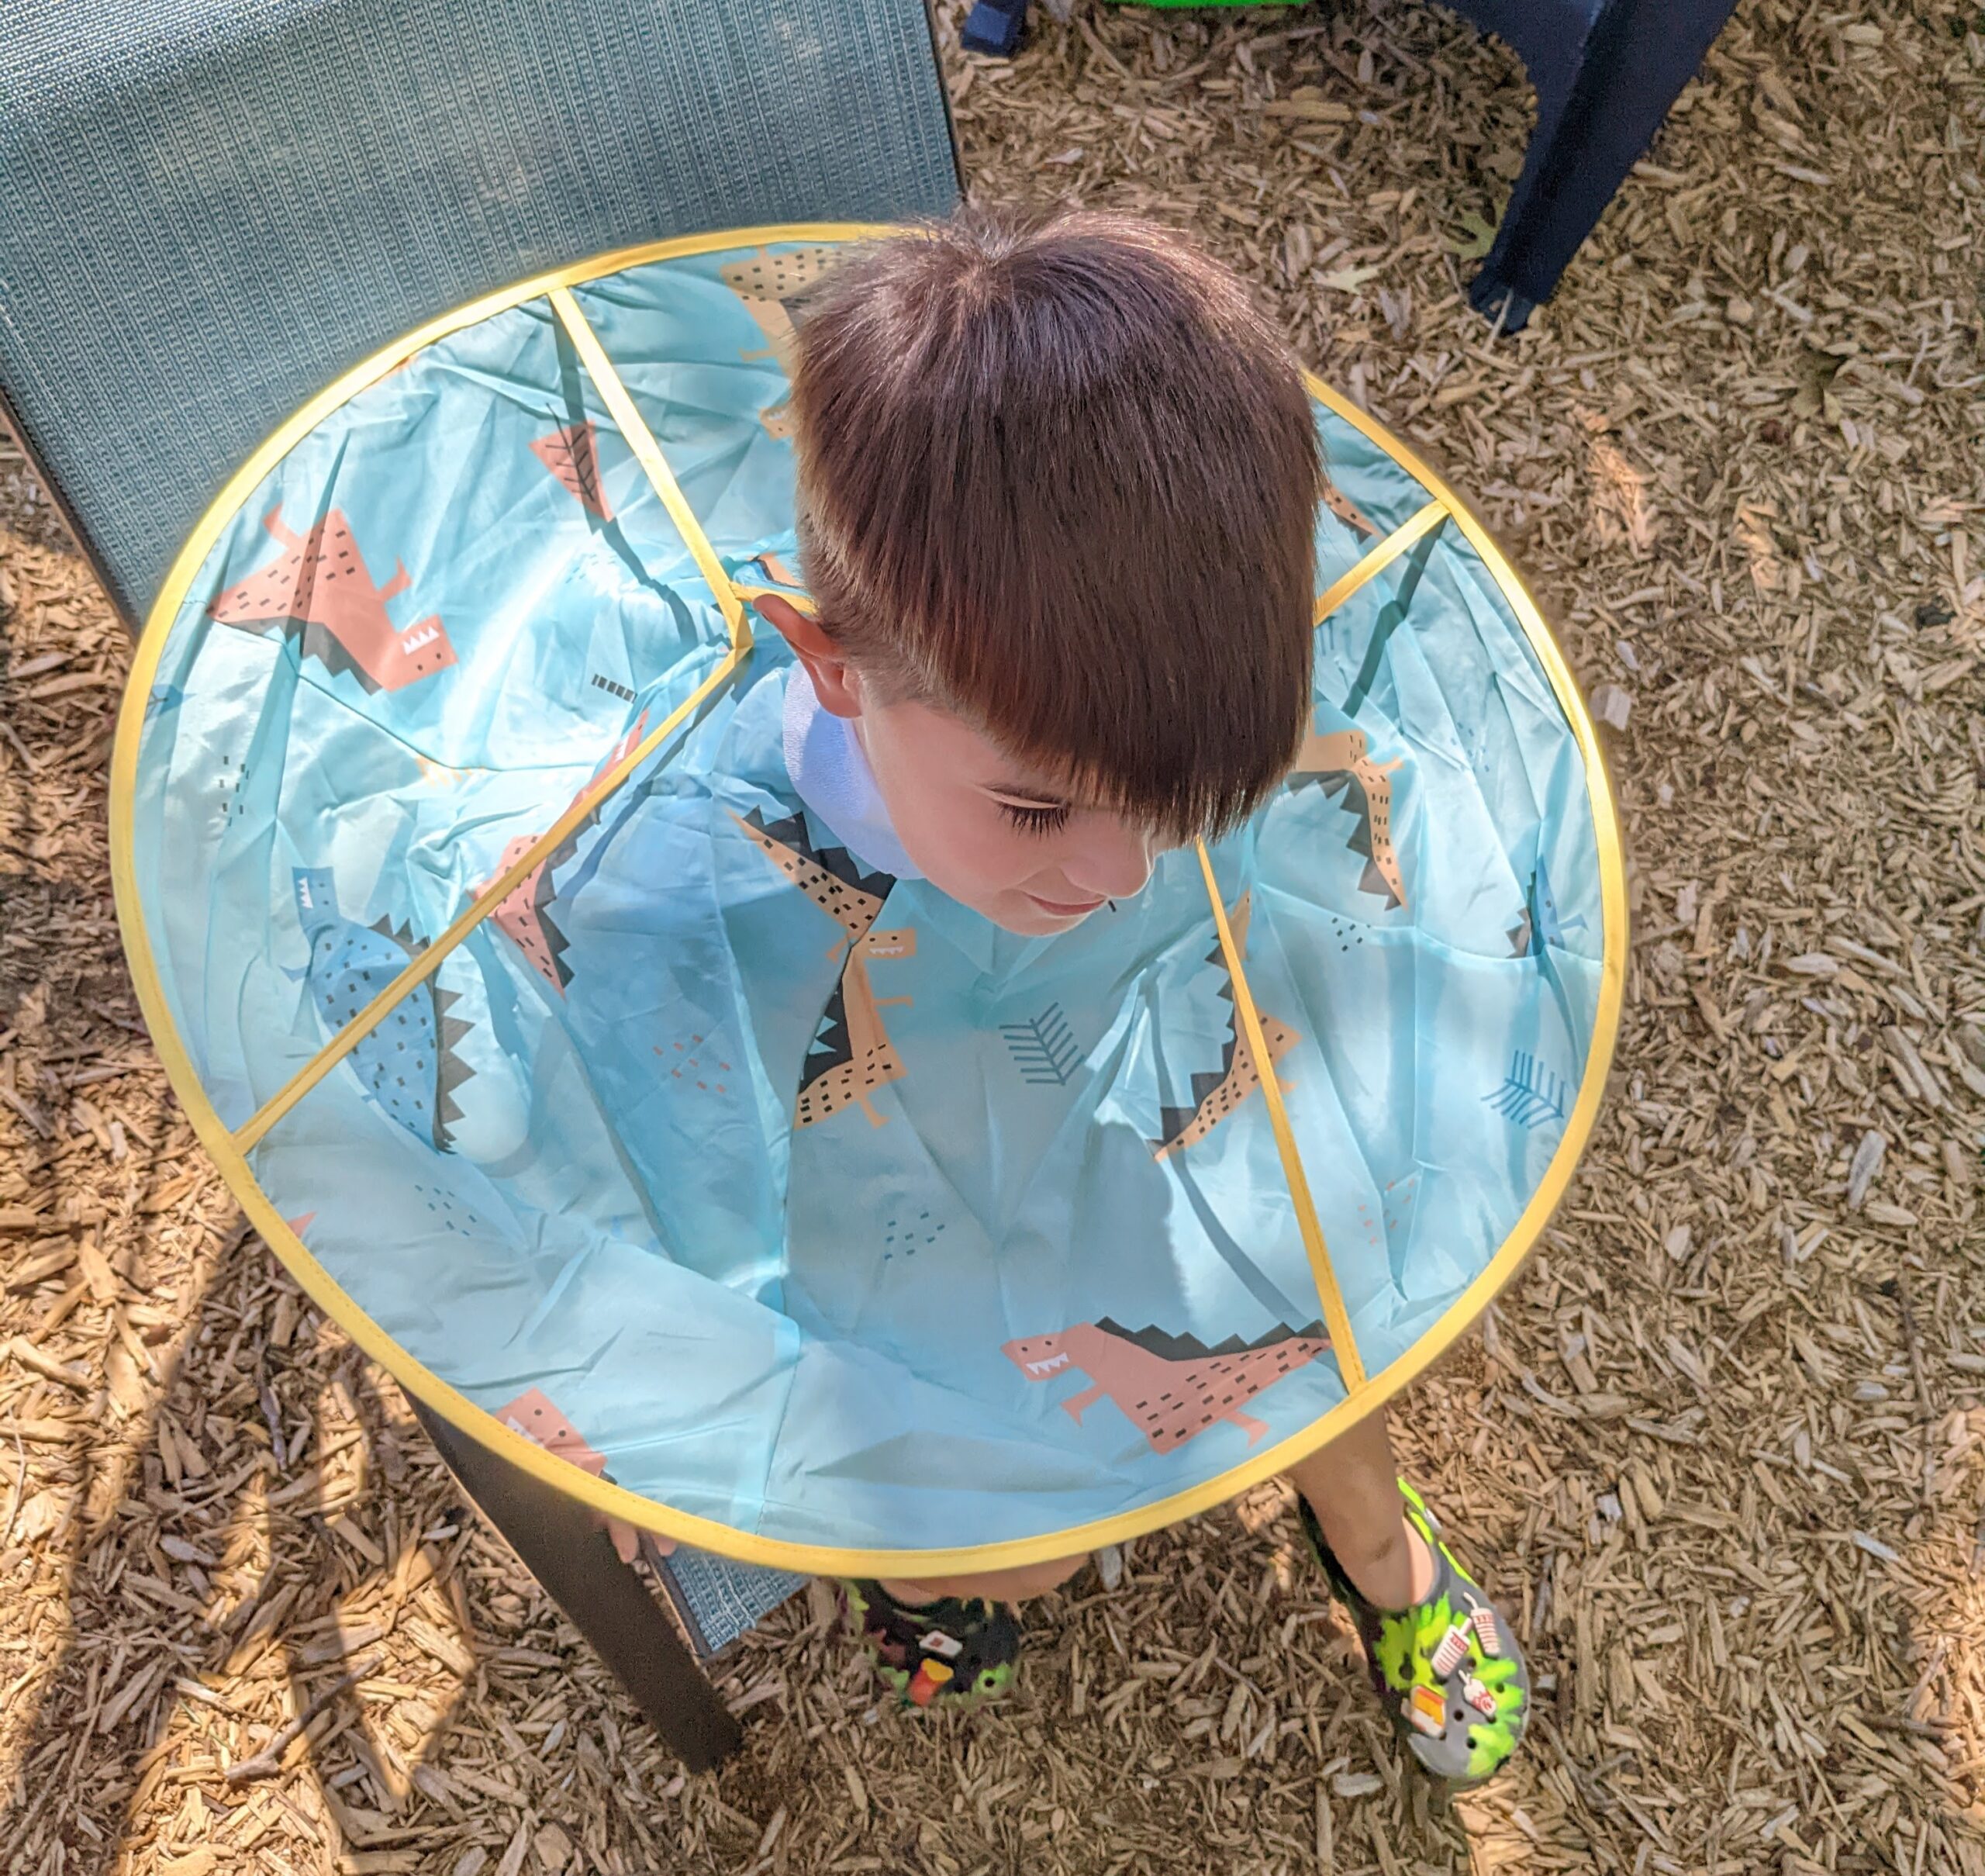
column 831, row 774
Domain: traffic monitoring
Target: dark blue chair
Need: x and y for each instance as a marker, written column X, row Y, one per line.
column 209, row 211
column 1606, row 72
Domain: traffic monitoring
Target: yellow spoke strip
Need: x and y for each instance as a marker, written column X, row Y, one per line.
column 499, row 888
column 1337, row 1318
column 1380, row 557
column 753, row 589
column 729, row 602
column 647, row 452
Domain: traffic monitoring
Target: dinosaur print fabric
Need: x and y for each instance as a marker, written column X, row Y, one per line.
column 778, row 1191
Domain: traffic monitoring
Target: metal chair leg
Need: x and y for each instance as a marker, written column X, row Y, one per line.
column 574, row 1562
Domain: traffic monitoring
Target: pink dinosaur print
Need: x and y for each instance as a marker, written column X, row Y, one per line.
column 521, row 913
column 532, row 1415
column 318, row 589
column 572, row 454
column 1173, row 1386
column 519, row 917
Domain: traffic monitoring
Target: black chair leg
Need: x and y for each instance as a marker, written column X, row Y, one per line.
column 575, row 1562
column 994, row 26
column 1593, row 124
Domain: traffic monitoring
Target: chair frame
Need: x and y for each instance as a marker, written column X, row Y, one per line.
column 564, row 1546
column 1584, row 62
column 632, row 1631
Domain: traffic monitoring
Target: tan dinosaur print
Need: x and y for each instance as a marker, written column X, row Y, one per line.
column 1173, row 1387
column 778, row 573
column 766, row 574
column 1216, row 1096
column 852, row 1055
column 1348, row 511
column 1337, row 759
column 768, row 283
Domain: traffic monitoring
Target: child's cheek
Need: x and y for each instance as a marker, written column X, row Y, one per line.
column 948, row 838
column 989, row 860
column 1010, row 856
column 980, row 857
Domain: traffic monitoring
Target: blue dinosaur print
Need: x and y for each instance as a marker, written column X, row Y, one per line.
column 1530, row 1094
column 407, row 1063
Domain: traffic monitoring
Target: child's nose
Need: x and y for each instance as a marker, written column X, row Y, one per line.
column 1111, row 865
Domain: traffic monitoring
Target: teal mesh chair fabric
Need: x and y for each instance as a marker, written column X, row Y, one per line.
column 209, row 209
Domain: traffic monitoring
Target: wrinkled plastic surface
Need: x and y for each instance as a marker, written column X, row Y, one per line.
column 785, row 1195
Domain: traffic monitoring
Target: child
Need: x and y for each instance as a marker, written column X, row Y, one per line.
column 1057, row 489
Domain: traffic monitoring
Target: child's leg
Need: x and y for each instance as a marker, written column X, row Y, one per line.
column 1352, row 1485
column 994, row 1585
column 1449, row 1671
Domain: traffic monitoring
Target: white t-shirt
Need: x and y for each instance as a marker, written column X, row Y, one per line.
column 831, row 775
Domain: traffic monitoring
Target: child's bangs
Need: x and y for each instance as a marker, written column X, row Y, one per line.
column 1189, row 759
column 1179, row 787
column 1061, row 475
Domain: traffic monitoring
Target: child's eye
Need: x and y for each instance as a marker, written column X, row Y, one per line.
column 1035, row 820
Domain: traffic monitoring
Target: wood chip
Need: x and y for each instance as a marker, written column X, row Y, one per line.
column 41, row 1362
column 1727, row 1492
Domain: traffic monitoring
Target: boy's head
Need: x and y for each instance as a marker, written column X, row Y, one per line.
column 1057, row 490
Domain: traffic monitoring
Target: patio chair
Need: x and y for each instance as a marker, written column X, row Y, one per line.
column 211, row 211
column 1606, row 72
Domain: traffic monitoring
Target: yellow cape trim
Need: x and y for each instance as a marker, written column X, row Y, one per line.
column 1381, row 556
column 1337, row 1318
column 614, row 1501
column 647, row 452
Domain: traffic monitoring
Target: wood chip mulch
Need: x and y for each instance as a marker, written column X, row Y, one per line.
column 1722, row 1445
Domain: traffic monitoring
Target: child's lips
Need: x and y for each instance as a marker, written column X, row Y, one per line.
column 1057, row 908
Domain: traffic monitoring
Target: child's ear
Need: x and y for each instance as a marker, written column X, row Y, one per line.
column 834, row 682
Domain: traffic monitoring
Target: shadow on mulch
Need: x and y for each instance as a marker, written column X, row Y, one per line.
column 98, row 1747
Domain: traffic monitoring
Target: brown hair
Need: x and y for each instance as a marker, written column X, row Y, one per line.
column 1057, row 473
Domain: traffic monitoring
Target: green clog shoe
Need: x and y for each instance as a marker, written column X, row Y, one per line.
column 952, row 1653
column 1449, row 1671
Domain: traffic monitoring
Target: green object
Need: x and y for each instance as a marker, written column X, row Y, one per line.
column 1449, row 1672
column 954, row 1652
